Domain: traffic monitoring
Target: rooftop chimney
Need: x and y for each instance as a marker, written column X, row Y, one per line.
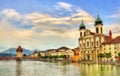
column 110, row 34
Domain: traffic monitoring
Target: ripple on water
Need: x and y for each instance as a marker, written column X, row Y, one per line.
column 38, row 68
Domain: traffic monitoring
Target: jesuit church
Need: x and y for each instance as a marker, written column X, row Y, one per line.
column 90, row 42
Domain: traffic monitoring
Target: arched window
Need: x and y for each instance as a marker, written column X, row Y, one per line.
column 84, row 33
column 97, row 43
column 97, row 30
column 87, row 44
column 101, row 29
column 81, row 34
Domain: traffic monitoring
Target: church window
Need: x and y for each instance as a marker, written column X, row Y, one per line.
column 97, row 43
column 83, row 44
column 81, row 34
column 84, row 33
column 97, row 30
column 101, row 29
column 87, row 44
column 91, row 43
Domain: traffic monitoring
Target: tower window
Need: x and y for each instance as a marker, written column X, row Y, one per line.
column 84, row 33
column 97, row 30
column 101, row 30
column 81, row 34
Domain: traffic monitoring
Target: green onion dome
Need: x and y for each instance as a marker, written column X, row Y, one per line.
column 82, row 26
column 98, row 20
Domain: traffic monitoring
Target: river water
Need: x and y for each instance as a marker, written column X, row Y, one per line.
column 38, row 68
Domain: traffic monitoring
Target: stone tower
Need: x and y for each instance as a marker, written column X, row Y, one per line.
column 19, row 54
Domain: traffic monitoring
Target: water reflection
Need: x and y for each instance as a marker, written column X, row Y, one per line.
column 38, row 68
column 18, row 68
column 97, row 70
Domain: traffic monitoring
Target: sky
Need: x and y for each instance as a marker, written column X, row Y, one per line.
column 47, row 24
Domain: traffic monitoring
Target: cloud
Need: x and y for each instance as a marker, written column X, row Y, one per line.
column 63, row 5
column 39, row 18
column 45, row 30
column 11, row 14
column 115, row 15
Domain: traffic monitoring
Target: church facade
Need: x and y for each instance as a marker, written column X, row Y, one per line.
column 90, row 42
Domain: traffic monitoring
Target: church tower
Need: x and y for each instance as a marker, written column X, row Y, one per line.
column 99, row 25
column 19, row 54
column 82, row 29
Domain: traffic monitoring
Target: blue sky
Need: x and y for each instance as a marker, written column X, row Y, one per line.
column 46, row 24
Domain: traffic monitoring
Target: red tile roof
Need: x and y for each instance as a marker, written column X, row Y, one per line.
column 19, row 49
column 108, row 40
column 116, row 40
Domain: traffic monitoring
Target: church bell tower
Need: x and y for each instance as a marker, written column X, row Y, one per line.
column 82, row 29
column 98, row 25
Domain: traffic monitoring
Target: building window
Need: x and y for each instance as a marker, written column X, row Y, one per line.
column 115, row 48
column 101, row 29
column 97, row 51
column 84, row 33
column 92, row 51
column 97, row 43
column 83, row 44
column 104, row 48
column 87, row 44
column 110, row 48
column 91, row 43
column 81, row 34
column 97, row 30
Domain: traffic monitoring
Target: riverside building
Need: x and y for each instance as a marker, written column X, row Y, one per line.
column 90, row 42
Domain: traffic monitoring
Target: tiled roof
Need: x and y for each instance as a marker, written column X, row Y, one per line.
column 92, row 33
column 63, row 48
column 116, row 40
column 108, row 40
column 19, row 49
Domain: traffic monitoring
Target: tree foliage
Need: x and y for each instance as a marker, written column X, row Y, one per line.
column 108, row 55
column 119, row 54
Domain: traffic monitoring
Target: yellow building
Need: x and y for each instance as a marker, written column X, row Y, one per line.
column 35, row 54
column 112, row 46
column 90, row 42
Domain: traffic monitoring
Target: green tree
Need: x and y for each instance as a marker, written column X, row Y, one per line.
column 108, row 55
column 119, row 54
column 39, row 55
column 24, row 55
column 88, row 56
column 101, row 55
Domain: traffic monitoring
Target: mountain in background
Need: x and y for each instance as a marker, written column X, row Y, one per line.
column 12, row 52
